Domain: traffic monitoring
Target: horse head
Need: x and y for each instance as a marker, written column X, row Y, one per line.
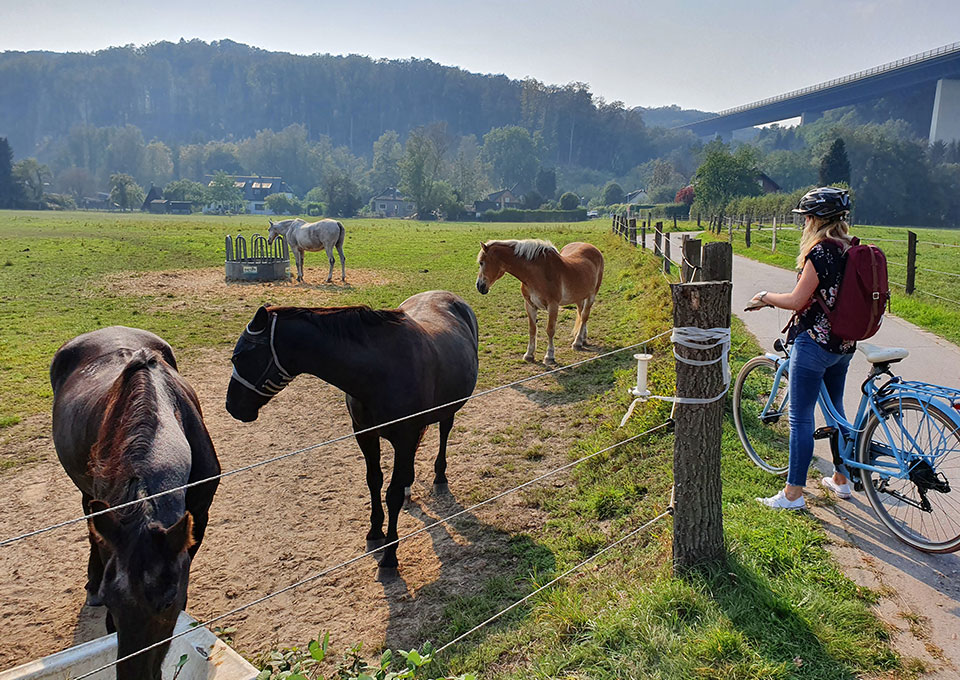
column 491, row 268
column 257, row 374
column 276, row 229
column 144, row 585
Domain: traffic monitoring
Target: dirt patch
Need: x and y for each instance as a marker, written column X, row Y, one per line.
column 275, row 525
column 190, row 286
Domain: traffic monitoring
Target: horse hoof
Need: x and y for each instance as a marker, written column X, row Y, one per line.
column 406, row 491
column 549, row 361
column 441, row 488
column 387, row 574
column 529, row 358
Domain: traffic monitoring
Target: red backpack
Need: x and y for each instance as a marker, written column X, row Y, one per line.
column 863, row 294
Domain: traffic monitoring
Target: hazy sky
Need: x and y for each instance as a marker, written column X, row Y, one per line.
column 695, row 53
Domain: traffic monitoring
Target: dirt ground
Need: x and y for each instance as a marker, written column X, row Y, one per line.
column 281, row 523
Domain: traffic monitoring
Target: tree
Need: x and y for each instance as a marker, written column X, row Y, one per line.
column 77, row 182
column 185, row 190
column 9, row 189
column 546, row 183
column 723, row 176
column 342, row 194
column 223, row 193
column 685, row 195
column 511, row 154
column 612, row 194
column 468, row 178
column 834, row 166
column 125, row 192
column 420, row 169
column 32, row 178
column 157, row 165
column 281, row 204
column 387, row 154
column 569, row 201
column 532, row 200
column 125, row 151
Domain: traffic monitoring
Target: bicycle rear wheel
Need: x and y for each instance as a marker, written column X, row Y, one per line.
column 922, row 510
column 764, row 432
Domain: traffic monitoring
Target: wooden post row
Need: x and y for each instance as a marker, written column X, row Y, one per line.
column 633, row 231
column 666, row 254
column 658, row 240
column 690, row 261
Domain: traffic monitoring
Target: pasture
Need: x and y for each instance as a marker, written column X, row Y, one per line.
column 780, row 599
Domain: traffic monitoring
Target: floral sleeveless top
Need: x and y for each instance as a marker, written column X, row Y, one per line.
column 828, row 259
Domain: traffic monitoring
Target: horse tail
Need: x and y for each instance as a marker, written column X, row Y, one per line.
column 342, row 234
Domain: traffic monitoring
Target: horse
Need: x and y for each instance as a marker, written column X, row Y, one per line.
column 301, row 235
column 548, row 280
column 389, row 363
column 126, row 426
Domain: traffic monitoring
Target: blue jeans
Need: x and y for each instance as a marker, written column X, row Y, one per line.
column 810, row 365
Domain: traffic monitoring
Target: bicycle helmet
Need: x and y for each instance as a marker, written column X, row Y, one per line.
column 824, row 202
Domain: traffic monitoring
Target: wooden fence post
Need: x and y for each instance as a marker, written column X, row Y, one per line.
column 666, row 254
column 911, row 261
column 643, row 235
column 613, row 224
column 658, row 240
column 697, row 516
column 747, row 234
column 774, row 246
column 730, row 229
column 690, row 261
column 717, row 262
column 698, row 219
column 633, row 231
column 674, row 221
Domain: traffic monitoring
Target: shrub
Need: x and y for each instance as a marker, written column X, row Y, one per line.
column 515, row 215
column 569, row 201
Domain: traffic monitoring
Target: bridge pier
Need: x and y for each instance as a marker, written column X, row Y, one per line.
column 810, row 116
column 945, row 123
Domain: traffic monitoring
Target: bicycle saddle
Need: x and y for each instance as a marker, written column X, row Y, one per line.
column 882, row 355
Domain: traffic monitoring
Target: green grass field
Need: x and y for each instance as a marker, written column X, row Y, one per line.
column 778, row 609
column 922, row 308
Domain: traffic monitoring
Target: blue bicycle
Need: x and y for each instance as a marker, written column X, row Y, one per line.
column 902, row 448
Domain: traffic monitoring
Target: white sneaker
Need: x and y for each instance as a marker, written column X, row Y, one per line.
column 842, row 490
column 781, row 502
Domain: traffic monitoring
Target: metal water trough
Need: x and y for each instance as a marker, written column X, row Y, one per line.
column 208, row 658
column 263, row 261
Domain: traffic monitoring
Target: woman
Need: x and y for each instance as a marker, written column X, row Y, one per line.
column 818, row 355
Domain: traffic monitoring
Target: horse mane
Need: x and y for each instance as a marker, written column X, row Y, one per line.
column 528, row 249
column 129, row 421
column 343, row 320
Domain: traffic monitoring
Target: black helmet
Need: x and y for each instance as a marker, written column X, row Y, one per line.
column 824, row 202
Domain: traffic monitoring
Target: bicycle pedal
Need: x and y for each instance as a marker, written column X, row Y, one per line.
column 824, row 432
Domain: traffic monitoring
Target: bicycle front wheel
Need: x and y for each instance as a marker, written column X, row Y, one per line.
column 922, row 510
column 764, row 430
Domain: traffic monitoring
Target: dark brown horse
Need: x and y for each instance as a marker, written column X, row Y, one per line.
column 390, row 363
column 126, row 426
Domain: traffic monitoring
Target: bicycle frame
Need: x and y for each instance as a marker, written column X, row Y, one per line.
column 875, row 398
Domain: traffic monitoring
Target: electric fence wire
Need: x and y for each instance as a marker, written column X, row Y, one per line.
column 569, row 571
column 933, row 243
column 290, row 454
column 324, row 572
column 937, row 271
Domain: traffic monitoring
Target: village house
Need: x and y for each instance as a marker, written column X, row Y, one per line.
column 255, row 189
column 391, row 203
column 499, row 200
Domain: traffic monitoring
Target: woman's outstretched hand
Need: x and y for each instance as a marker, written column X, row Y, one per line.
column 756, row 302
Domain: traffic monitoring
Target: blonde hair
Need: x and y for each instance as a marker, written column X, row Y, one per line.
column 820, row 229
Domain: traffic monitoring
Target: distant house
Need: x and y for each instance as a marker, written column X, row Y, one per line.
column 768, row 185
column 636, row 197
column 499, row 200
column 179, row 207
column 255, row 190
column 99, row 202
column 155, row 195
column 391, row 203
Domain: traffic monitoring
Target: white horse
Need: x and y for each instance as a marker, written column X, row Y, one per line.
column 302, row 235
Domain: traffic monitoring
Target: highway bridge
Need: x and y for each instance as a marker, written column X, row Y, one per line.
column 940, row 66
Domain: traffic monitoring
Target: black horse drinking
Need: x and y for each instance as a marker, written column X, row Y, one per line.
column 390, row 363
column 127, row 426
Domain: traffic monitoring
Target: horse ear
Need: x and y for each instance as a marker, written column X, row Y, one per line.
column 178, row 537
column 484, row 246
column 260, row 320
column 105, row 528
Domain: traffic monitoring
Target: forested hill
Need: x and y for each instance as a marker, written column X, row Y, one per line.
column 192, row 92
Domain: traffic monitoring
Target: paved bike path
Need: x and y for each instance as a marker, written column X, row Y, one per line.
column 913, row 584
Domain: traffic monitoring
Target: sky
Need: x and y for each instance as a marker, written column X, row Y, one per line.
column 702, row 54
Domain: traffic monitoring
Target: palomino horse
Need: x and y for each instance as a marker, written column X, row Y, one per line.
column 390, row 363
column 548, row 280
column 126, row 426
column 313, row 236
